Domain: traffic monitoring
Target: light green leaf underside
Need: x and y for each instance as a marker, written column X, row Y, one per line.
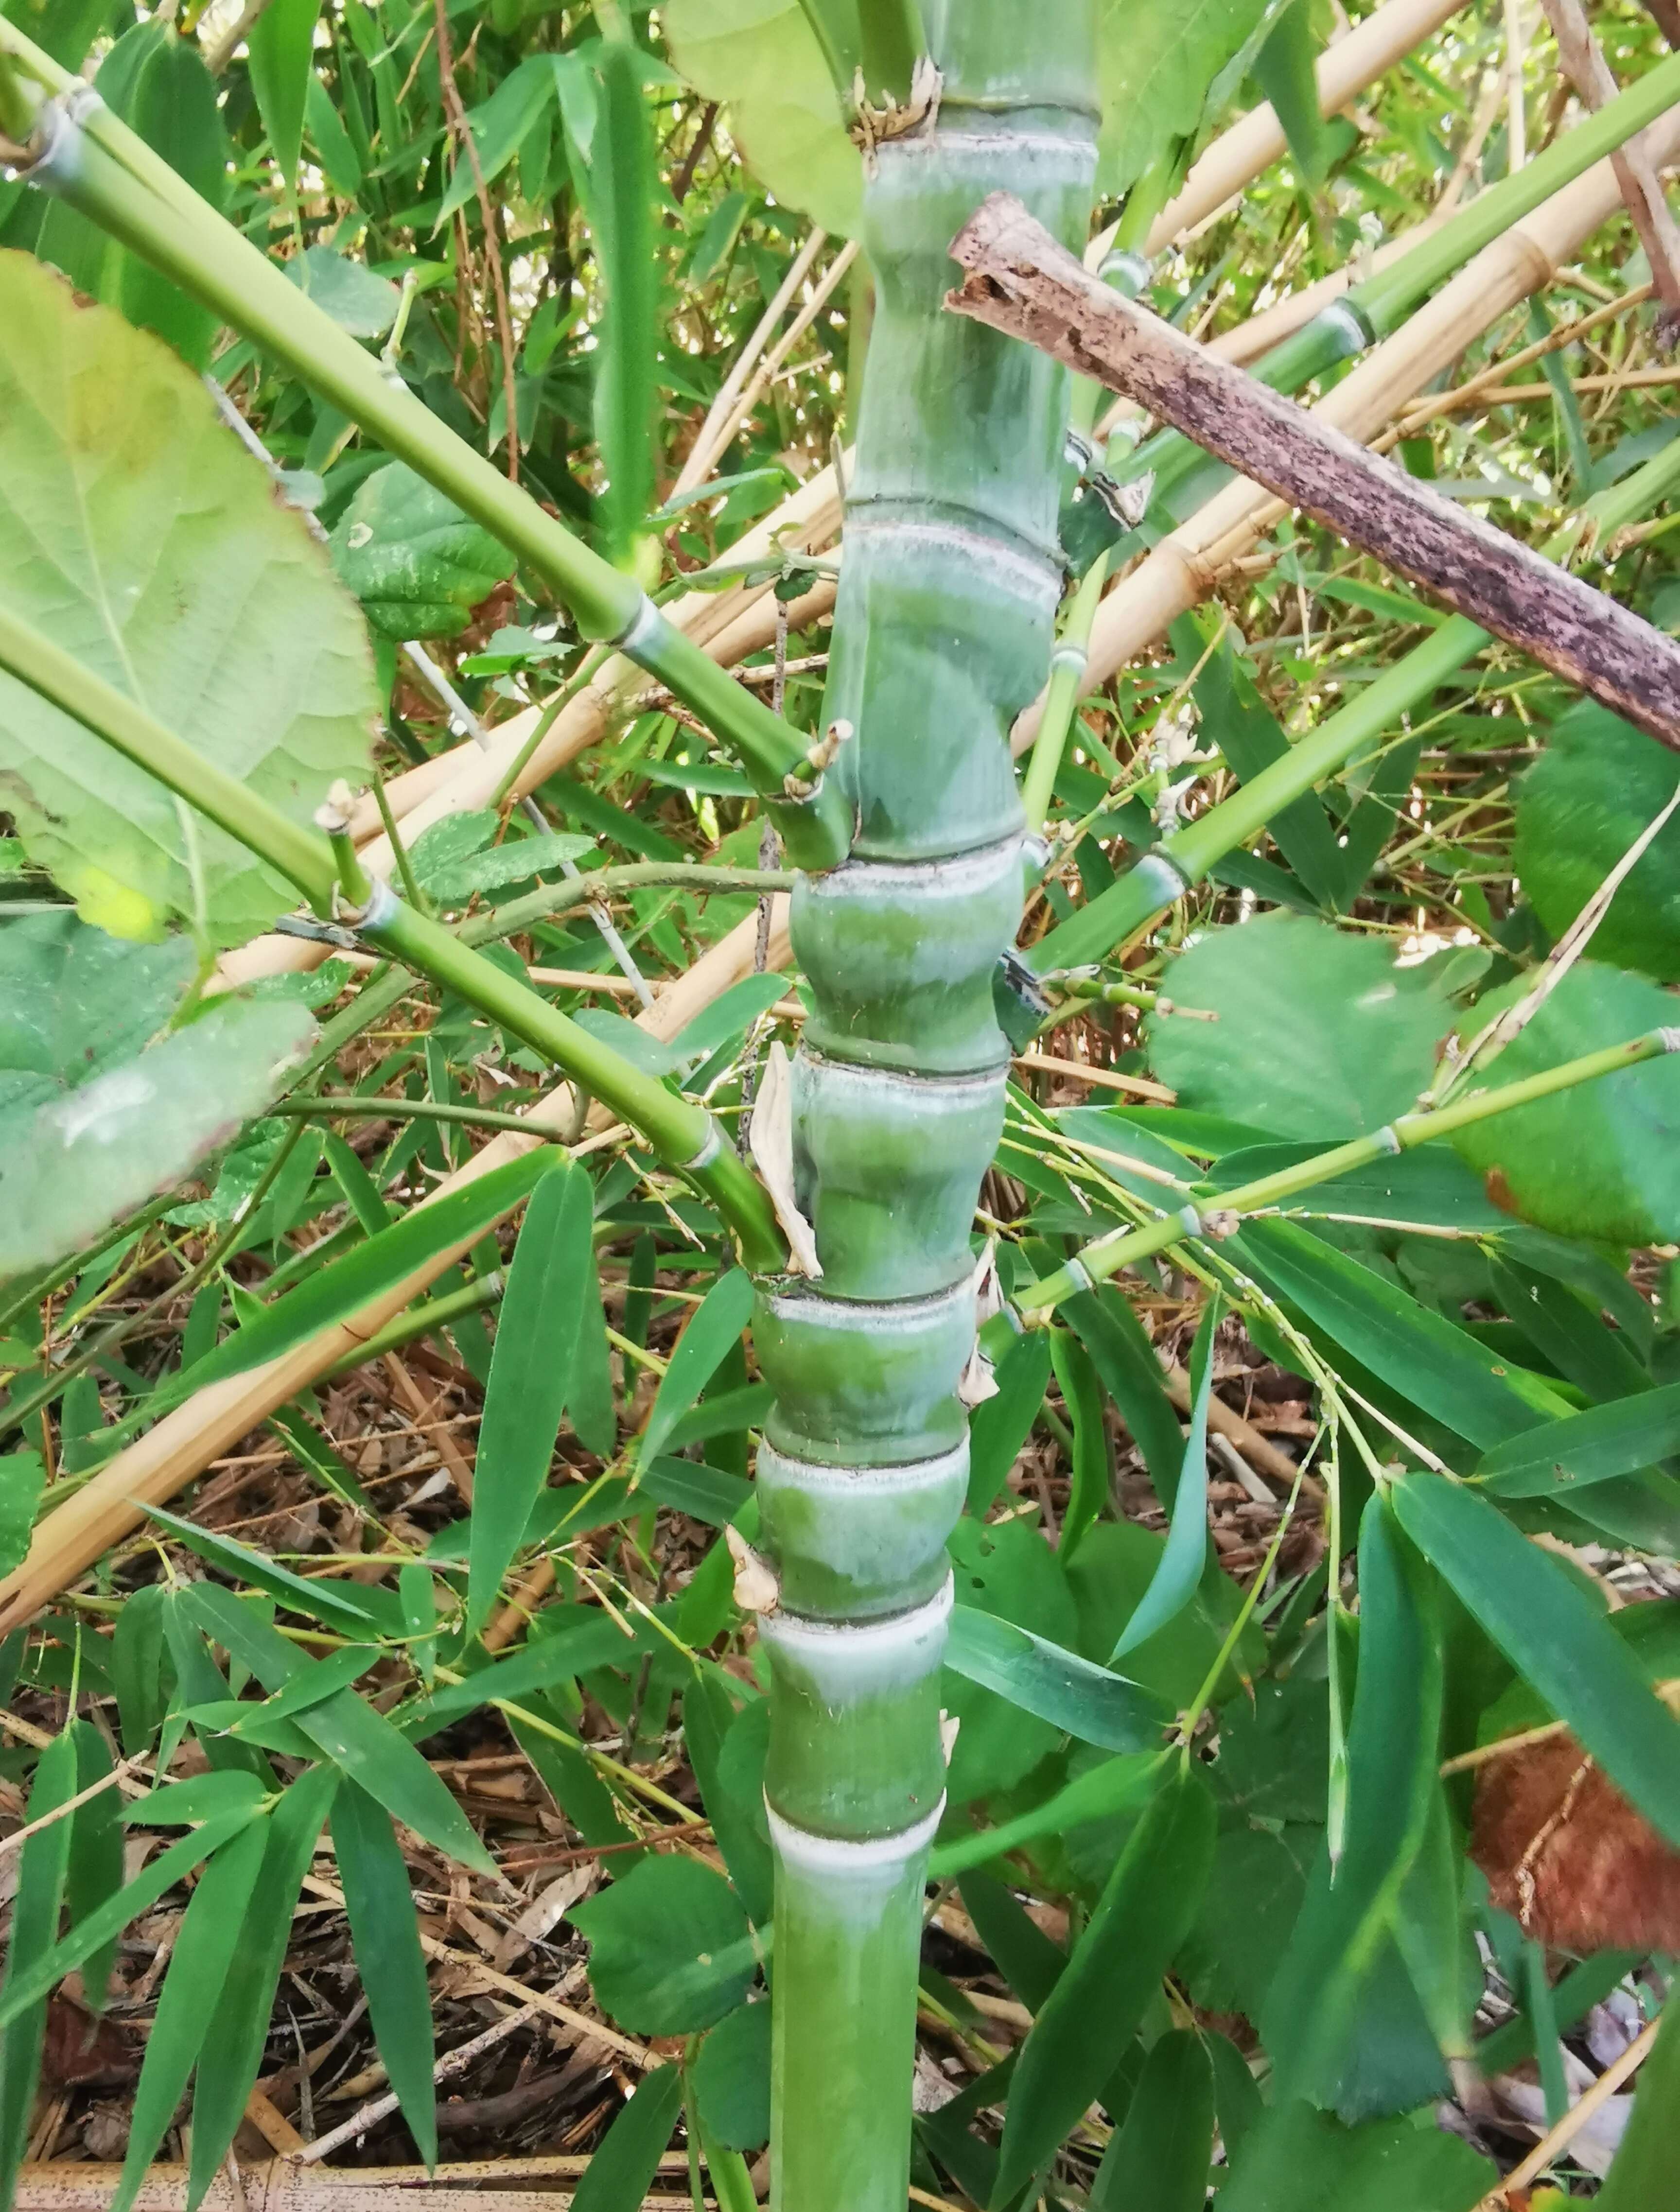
column 762, row 60
column 137, row 534
column 1157, row 61
column 94, row 1116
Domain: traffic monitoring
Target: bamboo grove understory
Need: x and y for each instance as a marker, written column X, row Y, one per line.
column 1021, row 548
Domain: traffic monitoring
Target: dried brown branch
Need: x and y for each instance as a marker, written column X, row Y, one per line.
column 1021, row 282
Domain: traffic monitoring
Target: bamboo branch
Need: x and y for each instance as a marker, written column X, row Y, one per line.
column 1021, row 282
column 1590, row 74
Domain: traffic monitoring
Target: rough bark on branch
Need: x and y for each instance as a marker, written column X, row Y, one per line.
column 1021, row 282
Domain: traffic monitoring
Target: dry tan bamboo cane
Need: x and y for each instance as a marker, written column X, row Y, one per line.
column 72, row 2185
column 183, row 1443
column 1590, row 74
column 696, row 466
column 1182, row 568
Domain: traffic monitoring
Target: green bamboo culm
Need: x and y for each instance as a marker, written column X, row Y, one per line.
column 942, row 634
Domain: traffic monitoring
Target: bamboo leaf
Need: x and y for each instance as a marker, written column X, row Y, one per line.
column 361, row 1742
column 1285, row 70
column 136, row 1666
column 500, row 126
column 1116, row 1786
column 1058, row 1686
column 1145, row 1911
column 1176, row 1579
column 530, row 1380
column 1545, row 1623
column 1582, row 1448
column 99, row 1106
column 1092, row 1474
column 1423, row 1355
column 30, row 1981
column 620, row 2173
column 203, row 1951
column 22, row 1477
column 385, row 1935
column 232, row 2053
column 280, row 43
column 1160, row 2156
column 339, row 1604
column 202, row 1798
column 669, row 1947
column 95, row 1852
column 1159, row 62
column 1125, row 1360
column 135, row 534
column 1391, row 1782
column 35, row 1908
column 1643, row 2178
column 1001, row 1425
column 322, row 1300
column 717, row 1322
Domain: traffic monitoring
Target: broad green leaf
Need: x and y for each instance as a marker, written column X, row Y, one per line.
column 1601, row 1161
column 762, row 59
column 156, row 83
column 385, row 1937
column 1092, row 1474
column 96, row 1851
column 731, row 2079
column 1539, row 1615
column 1587, row 1448
column 715, row 1324
column 1419, row 1353
column 336, row 1603
column 500, row 126
column 620, row 2173
column 340, row 1290
column 666, row 1948
column 1645, row 2175
column 280, row 44
column 29, row 1982
column 357, row 300
column 35, row 1909
column 1597, row 786
column 1058, row 1686
column 1297, row 2159
column 618, row 184
column 361, row 1742
column 21, row 1476
column 1094, row 2009
column 94, row 1115
column 203, row 1951
column 999, row 1425
column 1393, row 1755
column 1237, row 720
column 1361, row 1032
column 531, row 1375
column 1115, row 1565
column 1159, row 2158
column 232, row 2054
column 412, row 558
column 1176, row 1579
column 1158, row 60
column 138, row 534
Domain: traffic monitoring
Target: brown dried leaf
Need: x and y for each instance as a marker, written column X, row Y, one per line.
column 1569, row 1857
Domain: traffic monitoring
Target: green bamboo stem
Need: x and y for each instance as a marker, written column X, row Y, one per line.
column 1168, row 870
column 891, row 42
column 1375, row 307
column 943, row 629
column 1096, row 1261
column 85, row 156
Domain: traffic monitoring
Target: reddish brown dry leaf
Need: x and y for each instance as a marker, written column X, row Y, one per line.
column 1567, row 1855
column 79, row 2049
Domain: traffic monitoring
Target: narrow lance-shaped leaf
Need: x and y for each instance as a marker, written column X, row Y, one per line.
column 1174, row 1581
column 717, row 1324
column 1143, row 1915
column 1595, row 1446
column 96, row 1851
column 1159, row 2158
column 204, row 1950
column 1058, row 1686
column 1392, row 1762
column 282, row 42
column 621, row 2171
column 1535, row 1609
column 531, row 1375
column 35, row 1909
column 385, row 1936
column 1091, row 1472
